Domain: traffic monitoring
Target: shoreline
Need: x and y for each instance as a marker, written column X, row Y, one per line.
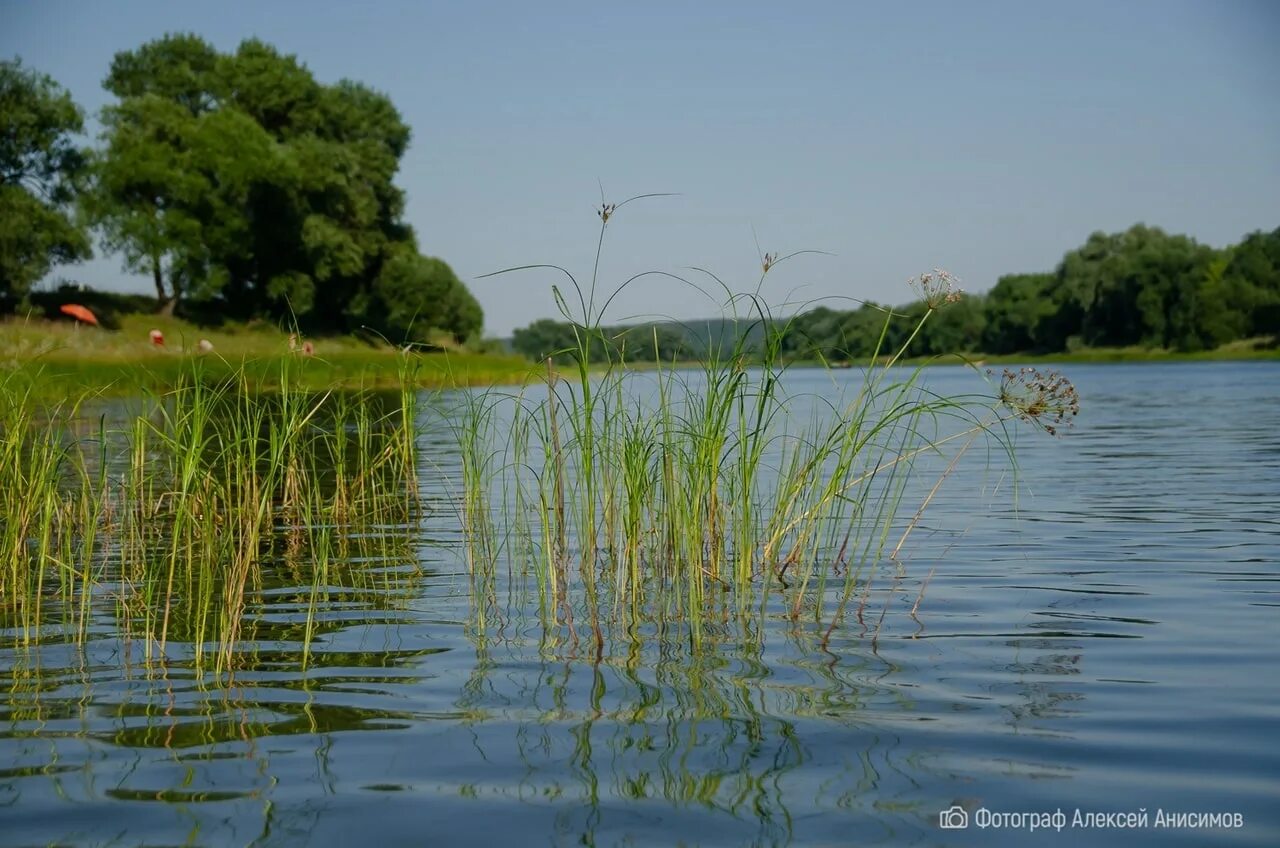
column 57, row 358
column 1237, row 352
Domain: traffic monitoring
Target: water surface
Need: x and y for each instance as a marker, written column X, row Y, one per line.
column 1100, row 637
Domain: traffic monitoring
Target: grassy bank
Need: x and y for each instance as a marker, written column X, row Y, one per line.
column 1243, row 349
column 68, row 358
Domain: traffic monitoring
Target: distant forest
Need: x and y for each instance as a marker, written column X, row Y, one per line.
column 1142, row 287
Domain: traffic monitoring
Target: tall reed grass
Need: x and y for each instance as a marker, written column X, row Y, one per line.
column 619, row 503
column 176, row 509
column 689, row 498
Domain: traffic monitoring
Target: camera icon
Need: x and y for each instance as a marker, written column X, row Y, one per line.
column 956, row 818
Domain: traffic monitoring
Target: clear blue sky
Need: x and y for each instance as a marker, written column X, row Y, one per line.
column 984, row 138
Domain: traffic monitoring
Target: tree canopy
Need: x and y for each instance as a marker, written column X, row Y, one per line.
column 239, row 179
column 40, row 173
column 558, row 340
column 1139, row 287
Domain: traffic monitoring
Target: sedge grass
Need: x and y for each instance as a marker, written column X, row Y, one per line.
column 632, row 502
column 676, row 497
column 179, row 509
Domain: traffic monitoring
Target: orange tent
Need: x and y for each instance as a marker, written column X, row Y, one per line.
column 79, row 312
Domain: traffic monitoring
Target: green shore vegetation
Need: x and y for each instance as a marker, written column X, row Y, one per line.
column 245, row 189
column 1242, row 350
column 261, row 204
column 62, row 358
column 252, row 194
column 1138, row 295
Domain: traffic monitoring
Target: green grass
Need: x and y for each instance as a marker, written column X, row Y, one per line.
column 1244, row 349
column 685, row 499
column 68, row 358
column 709, row 500
column 180, row 509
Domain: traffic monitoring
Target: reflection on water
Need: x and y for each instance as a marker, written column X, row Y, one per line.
column 1103, row 641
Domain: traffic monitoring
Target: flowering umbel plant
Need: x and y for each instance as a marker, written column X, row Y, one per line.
column 937, row 288
column 1043, row 398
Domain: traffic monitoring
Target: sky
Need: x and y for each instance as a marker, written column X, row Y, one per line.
column 984, row 138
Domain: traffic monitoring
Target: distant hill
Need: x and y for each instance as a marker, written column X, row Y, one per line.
column 667, row 340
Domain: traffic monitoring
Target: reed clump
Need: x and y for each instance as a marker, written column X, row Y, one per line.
column 675, row 497
column 179, row 510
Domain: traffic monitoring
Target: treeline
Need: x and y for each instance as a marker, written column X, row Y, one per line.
column 1142, row 287
column 663, row 340
column 238, row 183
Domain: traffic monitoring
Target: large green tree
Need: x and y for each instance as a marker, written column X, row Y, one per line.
column 40, row 172
column 240, row 179
column 1135, row 287
column 1020, row 309
column 418, row 294
column 1251, row 279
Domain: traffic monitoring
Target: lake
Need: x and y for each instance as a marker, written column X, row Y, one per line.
column 1099, row 638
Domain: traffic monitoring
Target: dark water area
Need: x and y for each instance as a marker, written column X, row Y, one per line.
column 1100, row 637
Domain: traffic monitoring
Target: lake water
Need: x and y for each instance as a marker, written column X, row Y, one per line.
column 1106, row 642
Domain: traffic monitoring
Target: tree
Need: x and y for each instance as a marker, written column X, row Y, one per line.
column 835, row 335
column 149, row 193
column 956, row 328
column 812, row 334
column 1019, row 311
column 544, row 337
column 174, row 180
column 419, row 294
column 858, row 333
column 1252, row 279
column 40, row 171
column 241, row 180
column 1135, row 287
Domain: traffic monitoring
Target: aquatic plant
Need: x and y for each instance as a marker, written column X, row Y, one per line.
column 180, row 508
column 622, row 502
column 695, row 497
column 1045, row 399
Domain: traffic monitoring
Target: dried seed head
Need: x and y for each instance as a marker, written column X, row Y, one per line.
column 1046, row 399
column 770, row 259
column 606, row 211
column 936, row 288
